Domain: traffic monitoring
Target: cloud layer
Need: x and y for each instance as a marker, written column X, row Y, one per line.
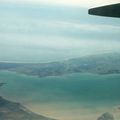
column 32, row 33
column 83, row 3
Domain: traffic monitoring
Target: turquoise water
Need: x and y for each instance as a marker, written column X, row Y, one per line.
column 68, row 97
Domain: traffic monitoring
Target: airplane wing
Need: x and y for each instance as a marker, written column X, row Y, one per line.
column 108, row 11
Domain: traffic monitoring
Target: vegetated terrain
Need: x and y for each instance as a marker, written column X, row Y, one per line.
column 98, row 64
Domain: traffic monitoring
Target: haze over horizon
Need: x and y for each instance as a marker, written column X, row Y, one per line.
column 45, row 31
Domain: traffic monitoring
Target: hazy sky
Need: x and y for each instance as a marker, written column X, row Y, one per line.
column 49, row 30
column 83, row 3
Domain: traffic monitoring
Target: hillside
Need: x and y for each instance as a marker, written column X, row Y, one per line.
column 15, row 111
column 99, row 64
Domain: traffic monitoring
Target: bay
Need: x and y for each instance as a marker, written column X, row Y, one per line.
column 68, row 97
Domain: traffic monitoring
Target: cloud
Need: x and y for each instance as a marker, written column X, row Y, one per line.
column 82, row 3
column 59, row 28
column 49, row 33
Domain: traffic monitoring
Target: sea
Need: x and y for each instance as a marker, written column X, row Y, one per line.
column 78, row 96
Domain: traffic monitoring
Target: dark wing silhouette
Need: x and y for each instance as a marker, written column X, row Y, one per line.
column 108, row 11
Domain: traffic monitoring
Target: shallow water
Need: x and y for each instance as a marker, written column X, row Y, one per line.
column 67, row 97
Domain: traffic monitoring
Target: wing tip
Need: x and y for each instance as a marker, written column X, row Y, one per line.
column 112, row 10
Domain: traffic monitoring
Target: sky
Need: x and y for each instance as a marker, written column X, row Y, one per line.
column 51, row 30
column 82, row 3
